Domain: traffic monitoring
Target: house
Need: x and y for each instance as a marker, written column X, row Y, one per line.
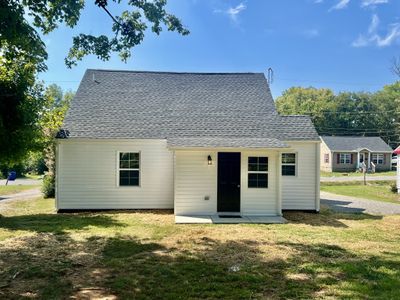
column 348, row 153
column 199, row 143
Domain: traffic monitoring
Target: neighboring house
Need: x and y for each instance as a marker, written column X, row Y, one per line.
column 198, row 143
column 348, row 153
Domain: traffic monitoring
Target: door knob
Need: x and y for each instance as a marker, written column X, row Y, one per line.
column 238, row 185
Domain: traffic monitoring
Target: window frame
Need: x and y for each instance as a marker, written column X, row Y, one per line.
column 377, row 158
column 326, row 158
column 257, row 172
column 344, row 161
column 130, row 169
column 289, row 164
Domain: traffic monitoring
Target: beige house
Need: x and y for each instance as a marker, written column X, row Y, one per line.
column 351, row 153
column 202, row 144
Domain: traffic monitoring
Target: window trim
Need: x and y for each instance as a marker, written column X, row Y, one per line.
column 257, row 172
column 133, row 169
column 290, row 164
column 326, row 158
column 377, row 155
column 345, row 161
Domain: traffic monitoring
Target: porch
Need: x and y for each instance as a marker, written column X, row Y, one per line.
column 216, row 219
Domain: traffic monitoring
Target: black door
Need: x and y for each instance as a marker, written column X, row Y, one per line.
column 228, row 182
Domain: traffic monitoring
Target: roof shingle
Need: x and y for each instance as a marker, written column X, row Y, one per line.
column 130, row 104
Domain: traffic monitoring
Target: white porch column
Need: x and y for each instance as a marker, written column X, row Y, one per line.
column 369, row 160
column 358, row 159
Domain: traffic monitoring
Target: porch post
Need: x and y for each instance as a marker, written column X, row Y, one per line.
column 369, row 160
column 358, row 160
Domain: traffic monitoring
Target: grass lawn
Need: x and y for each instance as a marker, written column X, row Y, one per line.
column 144, row 255
column 374, row 190
column 13, row 189
column 342, row 174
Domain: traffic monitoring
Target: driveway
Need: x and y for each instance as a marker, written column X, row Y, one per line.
column 22, row 181
column 348, row 204
column 356, row 178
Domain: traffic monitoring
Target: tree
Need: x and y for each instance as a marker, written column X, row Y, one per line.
column 20, row 108
column 55, row 108
column 18, row 38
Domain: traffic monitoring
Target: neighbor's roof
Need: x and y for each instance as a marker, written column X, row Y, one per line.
column 130, row 104
column 355, row 143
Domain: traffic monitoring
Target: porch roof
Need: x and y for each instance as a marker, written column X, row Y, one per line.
column 225, row 142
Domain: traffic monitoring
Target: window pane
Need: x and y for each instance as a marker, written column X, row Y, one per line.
column 124, row 164
column 129, row 178
column 133, row 156
column 124, row 156
column 134, row 164
column 263, row 160
column 253, row 167
column 289, row 158
column 263, row 167
column 252, row 180
column 262, row 180
column 289, row 170
column 253, row 160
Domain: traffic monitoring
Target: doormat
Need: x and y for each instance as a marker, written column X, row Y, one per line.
column 229, row 216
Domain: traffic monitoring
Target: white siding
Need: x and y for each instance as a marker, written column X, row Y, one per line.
column 195, row 179
column 301, row 192
column 87, row 175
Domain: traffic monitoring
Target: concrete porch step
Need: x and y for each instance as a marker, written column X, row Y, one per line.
column 215, row 219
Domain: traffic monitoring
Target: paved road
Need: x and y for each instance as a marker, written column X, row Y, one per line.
column 28, row 194
column 357, row 205
column 356, row 178
column 25, row 181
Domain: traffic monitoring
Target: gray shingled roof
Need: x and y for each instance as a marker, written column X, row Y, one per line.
column 356, row 143
column 212, row 142
column 129, row 104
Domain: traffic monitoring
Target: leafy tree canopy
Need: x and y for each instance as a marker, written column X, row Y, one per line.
column 18, row 38
column 347, row 113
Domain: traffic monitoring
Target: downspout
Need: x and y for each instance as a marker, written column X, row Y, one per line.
column 279, row 183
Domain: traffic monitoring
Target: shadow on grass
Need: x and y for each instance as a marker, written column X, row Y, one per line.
column 57, row 267
column 56, row 223
column 327, row 217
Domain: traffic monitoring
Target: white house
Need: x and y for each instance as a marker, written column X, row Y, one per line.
column 199, row 143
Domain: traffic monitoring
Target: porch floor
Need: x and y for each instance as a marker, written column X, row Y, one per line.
column 215, row 219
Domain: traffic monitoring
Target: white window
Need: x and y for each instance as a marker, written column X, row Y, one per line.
column 326, row 158
column 378, row 159
column 289, row 164
column 258, row 172
column 345, row 158
column 129, row 174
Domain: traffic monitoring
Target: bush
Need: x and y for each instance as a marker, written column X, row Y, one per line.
column 393, row 187
column 48, row 187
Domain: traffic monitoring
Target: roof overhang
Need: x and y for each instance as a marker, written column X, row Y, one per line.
column 225, row 143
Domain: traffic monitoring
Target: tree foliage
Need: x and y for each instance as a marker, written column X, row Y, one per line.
column 18, row 38
column 20, row 108
column 347, row 113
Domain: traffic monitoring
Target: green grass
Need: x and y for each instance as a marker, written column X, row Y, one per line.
column 13, row 189
column 144, row 255
column 342, row 174
column 374, row 190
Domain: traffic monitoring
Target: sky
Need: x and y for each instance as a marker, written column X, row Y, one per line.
column 344, row 45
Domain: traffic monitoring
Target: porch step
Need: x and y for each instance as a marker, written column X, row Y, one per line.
column 215, row 219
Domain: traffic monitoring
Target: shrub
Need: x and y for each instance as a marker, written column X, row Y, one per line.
column 393, row 187
column 48, row 187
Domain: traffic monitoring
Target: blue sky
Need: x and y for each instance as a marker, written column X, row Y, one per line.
column 345, row 45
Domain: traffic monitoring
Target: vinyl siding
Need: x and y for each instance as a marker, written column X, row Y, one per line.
column 195, row 179
column 327, row 167
column 87, row 175
column 301, row 192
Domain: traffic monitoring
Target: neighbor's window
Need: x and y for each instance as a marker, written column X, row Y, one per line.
column 377, row 159
column 326, row 158
column 289, row 164
column 128, row 169
column 345, row 158
column 258, row 172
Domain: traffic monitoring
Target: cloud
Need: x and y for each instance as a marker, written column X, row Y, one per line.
column 373, row 38
column 366, row 3
column 311, row 33
column 233, row 12
column 340, row 5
